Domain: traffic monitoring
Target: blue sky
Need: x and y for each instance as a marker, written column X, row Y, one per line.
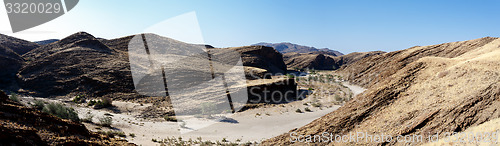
column 347, row 26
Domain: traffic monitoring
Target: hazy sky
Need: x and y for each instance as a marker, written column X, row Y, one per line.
column 347, row 26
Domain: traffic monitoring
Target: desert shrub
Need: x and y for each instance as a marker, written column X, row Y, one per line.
column 38, row 104
column 103, row 103
column 307, row 109
column 107, row 102
column 14, row 97
column 310, row 89
column 131, row 135
column 59, row 110
column 170, row 118
column 79, row 99
column 88, row 117
column 298, row 111
column 113, row 133
column 316, row 104
column 105, row 121
column 291, row 76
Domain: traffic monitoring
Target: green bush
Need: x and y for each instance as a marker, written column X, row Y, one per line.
column 298, row 111
column 79, row 99
column 14, row 97
column 103, row 103
column 38, row 104
column 105, row 121
column 131, row 135
column 59, row 110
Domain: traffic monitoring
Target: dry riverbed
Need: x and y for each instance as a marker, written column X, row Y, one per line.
column 253, row 125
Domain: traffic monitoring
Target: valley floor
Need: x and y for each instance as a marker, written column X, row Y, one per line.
column 253, row 125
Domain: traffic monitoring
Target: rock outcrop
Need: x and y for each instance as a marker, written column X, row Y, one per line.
column 323, row 60
column 289, row 47
column 262, row 57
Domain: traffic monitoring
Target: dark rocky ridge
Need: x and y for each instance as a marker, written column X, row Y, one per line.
column 76, row 64
column 17, row 45
column 262, row 57
column 10, row 62
column 289, row 47
column 322, row 60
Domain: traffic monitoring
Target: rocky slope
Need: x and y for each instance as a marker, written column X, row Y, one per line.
column 418, row 91
column 77, row 64
column 20, row 125
column 323, row 60
column 10, row 62
column 289, row 47
column 17, row 45
column 374, row 69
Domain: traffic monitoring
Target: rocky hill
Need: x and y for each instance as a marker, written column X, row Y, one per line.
column 262, row 57
column 289, row 47
column 17, row 45
column 76, row 64
column 20, row 125
column 418, row 91
column 322, row 60
column 10, row 62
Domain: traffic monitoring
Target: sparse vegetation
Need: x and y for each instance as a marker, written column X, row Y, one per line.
column 79, row 99
column 316, row 104
column 38, row 104
column 112, row 133
column 105, row 121
column 103, row 103
column 131, row 135
column 307, row 109
column 170, row 118
column 14, row 97
column 298, row 111
column 59, row 110
column 88, row 117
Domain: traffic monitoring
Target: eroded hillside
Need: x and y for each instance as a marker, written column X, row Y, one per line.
column 418, row 91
